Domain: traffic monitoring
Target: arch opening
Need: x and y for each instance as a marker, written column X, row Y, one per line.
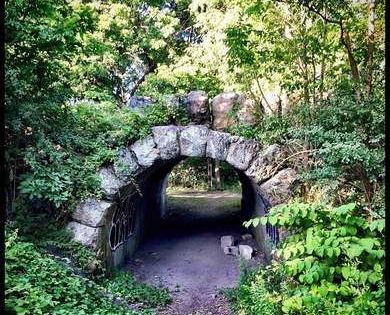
column 155, row 207
column 134, row 199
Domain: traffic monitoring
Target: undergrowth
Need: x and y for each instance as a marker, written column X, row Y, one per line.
column 36, row 283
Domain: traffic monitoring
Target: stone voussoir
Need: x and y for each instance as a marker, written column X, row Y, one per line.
column 92, row 212
column 110, row 182
column 241, row 152
column 217, row 145
column 167, row 141
column 193, row 140
column 266, row 164
column 146, row 151
column 126, row 166
column 278, row 189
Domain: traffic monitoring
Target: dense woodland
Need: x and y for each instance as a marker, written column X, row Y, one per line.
column 315, row 70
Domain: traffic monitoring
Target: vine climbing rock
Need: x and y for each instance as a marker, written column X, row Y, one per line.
column 133, row 186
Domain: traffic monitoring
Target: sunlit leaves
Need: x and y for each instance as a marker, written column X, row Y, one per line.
column 330, row 252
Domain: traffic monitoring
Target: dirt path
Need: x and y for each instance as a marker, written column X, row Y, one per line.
column 185, row 255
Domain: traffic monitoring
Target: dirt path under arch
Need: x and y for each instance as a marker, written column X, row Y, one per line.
column 185, row 255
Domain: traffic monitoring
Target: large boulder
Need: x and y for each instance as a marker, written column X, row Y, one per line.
column 217, row 145
column 167, row 141
column 241, row 152
column 139, row 102
column 92, row 212
column 266, row 164
column 193, row 140
column 246, row 113
column 222, row 104
column 279, row 189
column 146, row 152
column 198, row 107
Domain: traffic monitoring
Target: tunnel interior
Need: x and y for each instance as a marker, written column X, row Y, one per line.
column 144, row 214
column 156, row 204
column 152, row 209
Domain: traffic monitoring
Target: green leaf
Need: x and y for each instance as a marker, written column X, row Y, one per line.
column 255, row 221
column 329, row 251
column 272, row 220
column 337, row 251
column 354, row 250
column 367, row 243
column 345, row 271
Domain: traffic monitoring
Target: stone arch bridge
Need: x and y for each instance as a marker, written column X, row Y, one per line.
column 134, row 187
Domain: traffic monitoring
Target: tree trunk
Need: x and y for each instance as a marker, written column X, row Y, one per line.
column 142, row 79
column 313, row 63
column 346, row 41
column 218, row 185
column 323, row 66
column 370, row 46
column 210, row 172
column 280, row 108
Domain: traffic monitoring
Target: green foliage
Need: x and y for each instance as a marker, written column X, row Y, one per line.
column 272, row 129
column 38, row 284
column 50, row 235
column 346, row 133
column 124, row 285
column 64, row 153
column 192, row 173
column 166, row 82
column 69, row 71
column 332, row 259
column 253, row 294
column 66, row 85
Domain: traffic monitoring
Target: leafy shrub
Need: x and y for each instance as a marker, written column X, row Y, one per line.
column 332, row 260
column 37, row 284
column 69, row 143
column 253, row 295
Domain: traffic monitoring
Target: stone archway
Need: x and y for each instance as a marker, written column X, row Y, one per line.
column 114, row 225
